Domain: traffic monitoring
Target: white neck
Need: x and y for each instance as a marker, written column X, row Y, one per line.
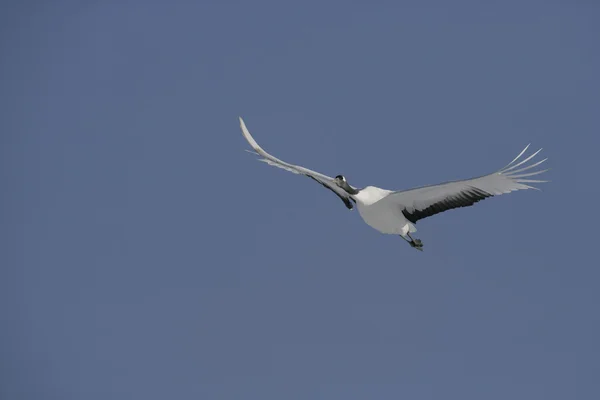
column 370, row 195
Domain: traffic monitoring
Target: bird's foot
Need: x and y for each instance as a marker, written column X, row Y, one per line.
column 417, row 244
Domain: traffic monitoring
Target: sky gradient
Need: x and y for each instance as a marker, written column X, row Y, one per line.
column 147, row 256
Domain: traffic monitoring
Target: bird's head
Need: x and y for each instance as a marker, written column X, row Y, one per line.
column 341, row 182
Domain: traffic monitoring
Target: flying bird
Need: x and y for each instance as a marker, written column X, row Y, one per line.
column 397, row 212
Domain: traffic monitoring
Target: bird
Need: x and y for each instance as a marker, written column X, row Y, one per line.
column 397, row 212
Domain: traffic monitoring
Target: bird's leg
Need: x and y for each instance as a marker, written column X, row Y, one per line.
column 416, row 243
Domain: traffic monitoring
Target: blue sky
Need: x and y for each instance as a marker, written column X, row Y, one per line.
column 146, row 255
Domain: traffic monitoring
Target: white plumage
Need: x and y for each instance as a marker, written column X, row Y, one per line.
column 396, row 212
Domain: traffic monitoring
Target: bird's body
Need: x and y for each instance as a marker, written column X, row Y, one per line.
column 397, row 212
column 382, row 215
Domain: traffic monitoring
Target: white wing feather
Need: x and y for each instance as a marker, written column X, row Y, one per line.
column 429, row 200
column 296, row 169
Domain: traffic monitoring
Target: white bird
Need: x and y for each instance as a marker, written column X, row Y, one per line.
column 397, row 212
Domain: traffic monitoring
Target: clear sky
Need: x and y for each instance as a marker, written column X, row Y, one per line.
column 145, row 255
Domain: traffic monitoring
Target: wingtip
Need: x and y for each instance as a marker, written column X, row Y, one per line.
column 243, row 126
column 249, row 138
column 515, row 159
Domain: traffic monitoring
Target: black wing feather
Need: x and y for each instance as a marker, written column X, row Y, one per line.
column 465, row 198
column 346, row 200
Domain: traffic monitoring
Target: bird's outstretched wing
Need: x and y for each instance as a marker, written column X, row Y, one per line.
column 324, row 180
column 426, row 201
